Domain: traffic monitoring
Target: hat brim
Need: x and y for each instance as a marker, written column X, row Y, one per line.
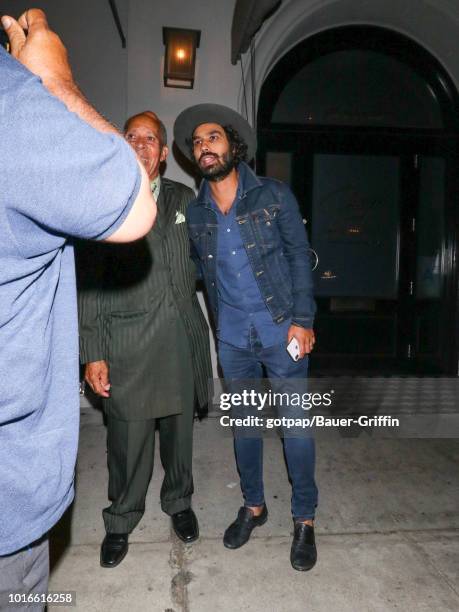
column 190, row 118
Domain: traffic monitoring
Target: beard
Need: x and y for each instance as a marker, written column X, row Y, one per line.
column 220, row 169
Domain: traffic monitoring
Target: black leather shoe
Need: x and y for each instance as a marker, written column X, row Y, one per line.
column 238, row 533
column 113, row 550
column 303, row 554
column 186, row 526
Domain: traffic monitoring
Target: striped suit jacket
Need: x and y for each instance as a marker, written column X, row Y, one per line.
column 139, row 311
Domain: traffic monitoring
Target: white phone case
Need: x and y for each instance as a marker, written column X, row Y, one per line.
column 293, row 349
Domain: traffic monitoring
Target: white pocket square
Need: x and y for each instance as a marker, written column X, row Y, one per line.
column 179, row 217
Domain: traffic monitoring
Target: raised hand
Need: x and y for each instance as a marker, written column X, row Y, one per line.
column 38, row 48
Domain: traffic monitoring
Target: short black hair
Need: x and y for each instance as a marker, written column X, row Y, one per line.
column 237, row 144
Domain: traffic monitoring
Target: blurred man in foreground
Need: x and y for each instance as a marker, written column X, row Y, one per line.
column 63, row 174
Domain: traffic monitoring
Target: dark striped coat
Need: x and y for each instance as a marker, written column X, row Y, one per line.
column 139, row 311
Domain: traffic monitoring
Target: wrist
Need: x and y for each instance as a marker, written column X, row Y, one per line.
column 303, row 321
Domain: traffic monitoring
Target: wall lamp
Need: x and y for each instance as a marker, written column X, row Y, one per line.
column 180, row 57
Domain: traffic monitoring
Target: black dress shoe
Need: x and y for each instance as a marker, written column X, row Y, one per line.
column 303, row 554
column 185, row 525
column 113, row 550
column 238, row 533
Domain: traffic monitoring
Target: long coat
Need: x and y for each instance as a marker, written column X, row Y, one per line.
column 138, row 310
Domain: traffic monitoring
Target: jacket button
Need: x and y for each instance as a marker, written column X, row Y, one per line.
column 210, row 256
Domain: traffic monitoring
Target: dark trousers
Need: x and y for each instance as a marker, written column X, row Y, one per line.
column 131, row 449
column 246, row 364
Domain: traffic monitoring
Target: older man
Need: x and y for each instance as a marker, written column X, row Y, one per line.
column 145, row 343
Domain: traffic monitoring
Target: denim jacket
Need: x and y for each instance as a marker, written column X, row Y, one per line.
column 275, row 240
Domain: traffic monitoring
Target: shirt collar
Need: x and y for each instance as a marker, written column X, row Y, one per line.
column 155, row 186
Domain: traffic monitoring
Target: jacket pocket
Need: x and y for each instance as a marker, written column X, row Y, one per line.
column 265, row 225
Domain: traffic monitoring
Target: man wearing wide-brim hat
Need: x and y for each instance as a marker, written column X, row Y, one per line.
column 253, row 253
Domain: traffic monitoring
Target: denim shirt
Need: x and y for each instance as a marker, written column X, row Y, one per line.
column 274, row 238
column 240, row 303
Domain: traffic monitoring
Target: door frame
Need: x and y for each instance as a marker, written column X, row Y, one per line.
column 307, row 139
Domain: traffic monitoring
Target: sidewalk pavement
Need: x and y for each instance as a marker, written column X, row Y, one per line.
column 387, row 531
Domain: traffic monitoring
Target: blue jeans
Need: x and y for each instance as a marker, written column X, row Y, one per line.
column 240, row 364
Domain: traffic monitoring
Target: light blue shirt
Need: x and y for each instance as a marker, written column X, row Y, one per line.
column 59, row 178
column 240, row 303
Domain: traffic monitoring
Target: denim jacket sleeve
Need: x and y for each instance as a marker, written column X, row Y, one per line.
column 295, row 246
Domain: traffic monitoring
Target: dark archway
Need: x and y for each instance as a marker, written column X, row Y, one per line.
column 364, row 125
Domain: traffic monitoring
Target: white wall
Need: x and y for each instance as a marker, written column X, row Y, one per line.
column 89, row 33
column 216, row 79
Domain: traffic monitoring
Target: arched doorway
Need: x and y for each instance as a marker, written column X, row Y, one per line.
column 363, row 123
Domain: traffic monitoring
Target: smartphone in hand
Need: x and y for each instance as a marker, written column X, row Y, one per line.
column 293, row 349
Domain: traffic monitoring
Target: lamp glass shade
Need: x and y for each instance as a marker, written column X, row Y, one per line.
column 180, row 57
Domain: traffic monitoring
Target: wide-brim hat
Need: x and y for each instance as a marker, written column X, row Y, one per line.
column 191, row 117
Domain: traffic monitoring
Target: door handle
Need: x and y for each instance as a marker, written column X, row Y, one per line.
column 316, row 257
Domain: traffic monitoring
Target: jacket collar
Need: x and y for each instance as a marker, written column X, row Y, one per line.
column 248, row 180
